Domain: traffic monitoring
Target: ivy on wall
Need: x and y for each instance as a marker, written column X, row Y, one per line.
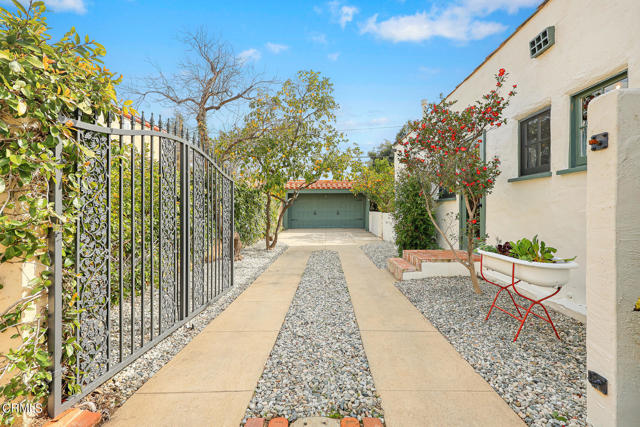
column 39, row 80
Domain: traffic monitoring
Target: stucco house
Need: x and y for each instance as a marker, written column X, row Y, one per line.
column 563, row 56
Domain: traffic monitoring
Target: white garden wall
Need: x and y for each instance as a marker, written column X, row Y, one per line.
column 388, row 232
column 381, row 224
column 613, row 260
column 375, row 223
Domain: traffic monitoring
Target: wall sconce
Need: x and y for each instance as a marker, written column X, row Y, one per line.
column 599, row 141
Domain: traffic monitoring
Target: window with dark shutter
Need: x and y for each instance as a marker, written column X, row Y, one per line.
column 535, row 143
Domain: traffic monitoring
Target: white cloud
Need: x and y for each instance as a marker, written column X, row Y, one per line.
column 343, row 14
column 334, row 56
column 319, row 38
column 428, row 70
column 379, row 121
column 276, row 48
column 489, row 6
column 461, row 22
column 249, row 55
column 363, row 123
column 77, row 6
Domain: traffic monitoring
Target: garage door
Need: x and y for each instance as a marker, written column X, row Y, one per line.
column 327, row 211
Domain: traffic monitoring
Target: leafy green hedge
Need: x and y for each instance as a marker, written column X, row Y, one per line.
column 41, row 79
column 414, row 229
column 250, row 216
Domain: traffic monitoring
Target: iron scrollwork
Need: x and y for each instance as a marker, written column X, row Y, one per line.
column 93, row 261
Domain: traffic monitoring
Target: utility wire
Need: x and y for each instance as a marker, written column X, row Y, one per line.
column 371, row 128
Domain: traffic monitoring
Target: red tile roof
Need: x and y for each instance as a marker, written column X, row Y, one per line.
column 323, row 184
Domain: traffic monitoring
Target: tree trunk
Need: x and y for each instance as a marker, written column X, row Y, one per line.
column 285, row 206
column 472, row 266
column 268, row 225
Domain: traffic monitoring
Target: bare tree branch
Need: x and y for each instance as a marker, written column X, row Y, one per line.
column 208, row 79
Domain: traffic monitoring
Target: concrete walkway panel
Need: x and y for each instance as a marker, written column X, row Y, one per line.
column 448, row 408
column 418, row 361
column 211, row 363
column 183, row 409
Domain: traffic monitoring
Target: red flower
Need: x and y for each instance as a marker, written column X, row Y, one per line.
column 501, row 72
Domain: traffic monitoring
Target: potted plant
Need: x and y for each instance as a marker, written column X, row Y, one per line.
column 531, row 261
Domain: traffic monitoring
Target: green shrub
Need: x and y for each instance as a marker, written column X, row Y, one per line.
column 414, row 229
column 250, row 216
column 249, row 212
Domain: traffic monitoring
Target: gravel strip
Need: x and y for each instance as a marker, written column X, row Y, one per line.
column 112, row 394
column 540, row 377
column 380, row 252
column 317, row 366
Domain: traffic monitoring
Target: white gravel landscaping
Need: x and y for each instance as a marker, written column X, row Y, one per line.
column 379, row 252
column 542, row 378
column 317, row 366
column 112, row 394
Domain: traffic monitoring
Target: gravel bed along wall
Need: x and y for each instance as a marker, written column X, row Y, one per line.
column 112, row 394
column 380, row 252
column 542, row 378
column 317, row 366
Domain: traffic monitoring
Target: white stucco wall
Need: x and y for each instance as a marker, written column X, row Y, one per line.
column 595, row 40
column 381, row 224
column 613, row 255
column 388, row 233
column 375, row 223
column 446, row 217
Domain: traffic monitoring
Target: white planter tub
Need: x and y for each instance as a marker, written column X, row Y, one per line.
column 552, row 275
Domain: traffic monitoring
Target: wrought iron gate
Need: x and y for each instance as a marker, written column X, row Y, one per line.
column 153, row 246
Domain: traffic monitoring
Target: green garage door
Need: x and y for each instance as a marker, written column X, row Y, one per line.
column 327, row 211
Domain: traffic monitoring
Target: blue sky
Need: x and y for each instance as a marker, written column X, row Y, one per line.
column 382, row 56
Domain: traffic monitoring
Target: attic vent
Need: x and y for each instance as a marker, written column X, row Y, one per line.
column 542, row 42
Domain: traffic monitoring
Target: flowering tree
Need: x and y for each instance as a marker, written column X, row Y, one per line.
column 443, row 152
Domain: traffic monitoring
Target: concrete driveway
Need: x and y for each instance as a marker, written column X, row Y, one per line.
column 326, row 237
column 421, row 379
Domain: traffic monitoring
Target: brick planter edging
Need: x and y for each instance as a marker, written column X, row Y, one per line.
column 283, row 422
column 75, row 417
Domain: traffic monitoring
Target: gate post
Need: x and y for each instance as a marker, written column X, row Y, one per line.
column 54, row 338
column 613, row 269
